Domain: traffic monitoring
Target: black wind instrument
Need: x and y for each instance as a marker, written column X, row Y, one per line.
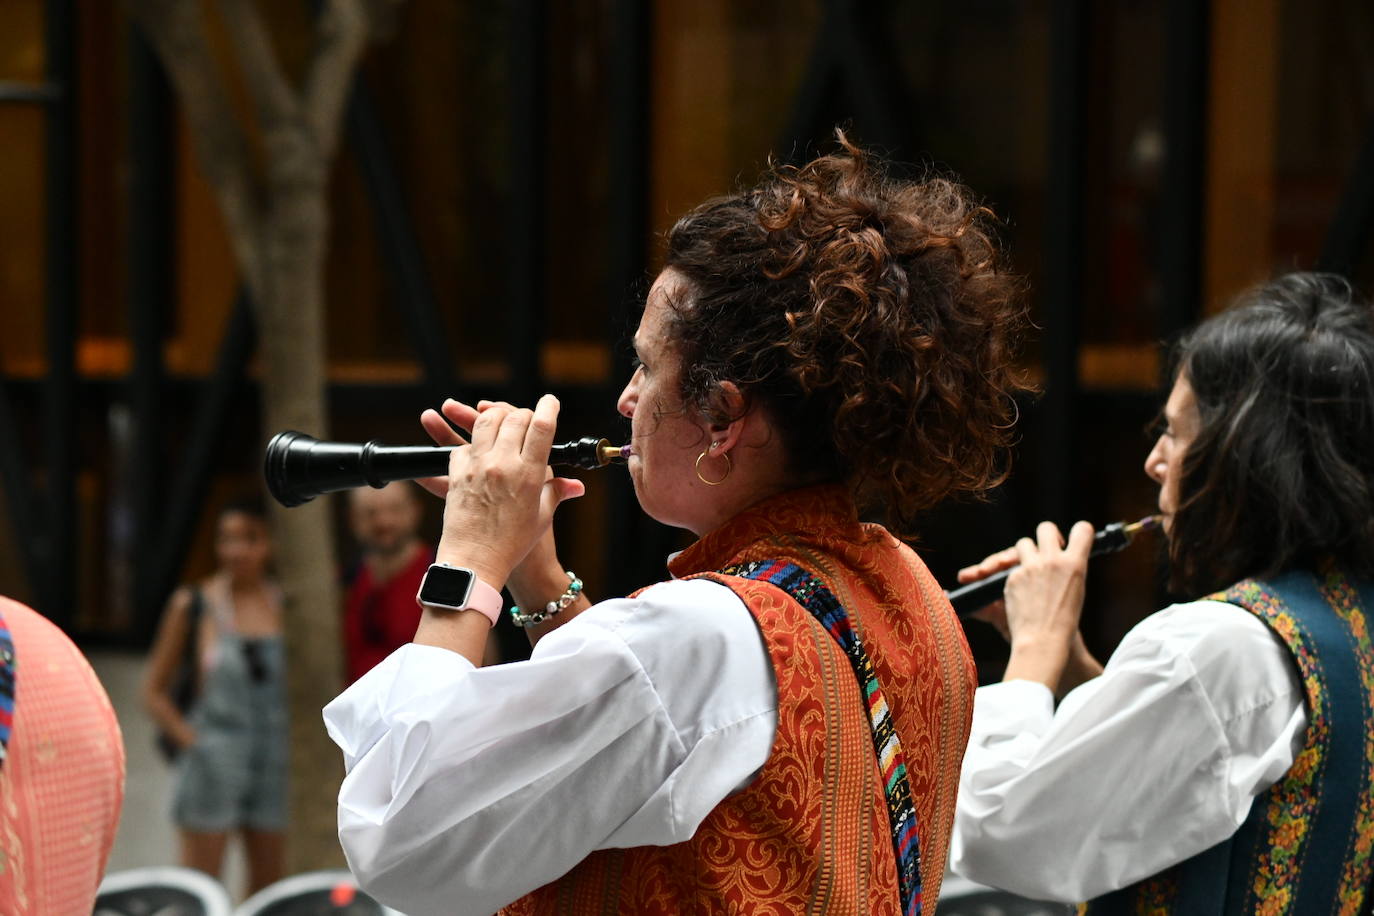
column 976, row 595
column 300, row 467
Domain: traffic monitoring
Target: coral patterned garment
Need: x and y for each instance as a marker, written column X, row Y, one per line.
column 62, row 781
column 811, row 833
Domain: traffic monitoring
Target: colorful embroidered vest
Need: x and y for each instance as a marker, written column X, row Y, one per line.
column 812, row 834
column 1305, row 847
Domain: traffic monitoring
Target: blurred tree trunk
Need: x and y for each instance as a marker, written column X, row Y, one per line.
column 273, row 198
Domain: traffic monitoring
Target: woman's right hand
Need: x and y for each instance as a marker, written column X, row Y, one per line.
column 539, row 577
column 1080, row 665
column 1044, row 594
column 439, row 429
column 994, row 614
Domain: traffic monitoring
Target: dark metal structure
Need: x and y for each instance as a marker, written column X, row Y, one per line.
column 526, row 195
column 853, row 75
column 1064, row 232
column 151, row 233
column 631, row 37
column 1350, row 229
column 1185, row 158
column 58, row 546
column 400, row 248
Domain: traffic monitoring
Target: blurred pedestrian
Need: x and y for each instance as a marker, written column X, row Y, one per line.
column 232, row 766
column 380, row 611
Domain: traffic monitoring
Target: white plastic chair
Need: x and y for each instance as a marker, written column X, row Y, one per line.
column 311, row 893
column 162, row 891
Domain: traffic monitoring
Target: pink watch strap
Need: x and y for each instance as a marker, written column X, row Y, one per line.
column 486, row 599
column 480, row 596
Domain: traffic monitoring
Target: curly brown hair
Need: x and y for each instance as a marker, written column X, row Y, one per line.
column 870, row 316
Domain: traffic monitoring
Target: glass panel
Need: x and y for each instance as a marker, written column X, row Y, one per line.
column 1324, row 116
column 206, row 275
column 439, row 90
column 1290, row 111
column 21, row 41
column 1125, row 156
column 102, row 115
column 21, row 226
column 725, row 77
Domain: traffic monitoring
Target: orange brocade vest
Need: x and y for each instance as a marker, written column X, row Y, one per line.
column 811, row 833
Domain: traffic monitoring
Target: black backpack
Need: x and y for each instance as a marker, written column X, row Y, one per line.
column 187, row 682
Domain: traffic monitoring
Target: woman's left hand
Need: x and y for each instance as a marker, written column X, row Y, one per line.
column 500, row 497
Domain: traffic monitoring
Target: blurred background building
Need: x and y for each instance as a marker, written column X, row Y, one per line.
column 505, row 172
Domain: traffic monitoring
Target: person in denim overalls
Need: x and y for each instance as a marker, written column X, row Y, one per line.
column 230, row 774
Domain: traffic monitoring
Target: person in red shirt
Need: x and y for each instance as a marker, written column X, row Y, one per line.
column 380, row 613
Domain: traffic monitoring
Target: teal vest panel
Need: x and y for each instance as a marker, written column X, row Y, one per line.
column 1305, row 848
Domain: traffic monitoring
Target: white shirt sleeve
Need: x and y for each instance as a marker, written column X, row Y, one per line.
column 470, row 787
column 1198, row 711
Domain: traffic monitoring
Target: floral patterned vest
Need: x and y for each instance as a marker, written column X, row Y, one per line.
column 1305, row 847
column 811, row 833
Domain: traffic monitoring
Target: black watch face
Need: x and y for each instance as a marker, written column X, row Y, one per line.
column 447, row 586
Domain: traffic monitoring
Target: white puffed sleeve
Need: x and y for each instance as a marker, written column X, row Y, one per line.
column 1159, row 758
column 470, row 787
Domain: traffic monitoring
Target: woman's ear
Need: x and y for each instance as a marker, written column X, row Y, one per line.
column 729, row 402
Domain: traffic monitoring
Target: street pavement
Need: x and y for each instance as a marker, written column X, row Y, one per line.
column 146, row 835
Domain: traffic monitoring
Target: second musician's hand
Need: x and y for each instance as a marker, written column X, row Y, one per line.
column 1044, row 600
column 1081, row 665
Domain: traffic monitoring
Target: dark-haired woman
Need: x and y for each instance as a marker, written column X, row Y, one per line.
column 832, row 337
column 230, row 771
column 1222, row 761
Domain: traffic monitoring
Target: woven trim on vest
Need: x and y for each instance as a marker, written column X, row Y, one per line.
column 808, row 591
column 1305, row 846
column 7, row 687
column 1358, row 873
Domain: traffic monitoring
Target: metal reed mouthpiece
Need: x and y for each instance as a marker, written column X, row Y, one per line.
column 299, row 467
column 977, row 595
column 587, row 453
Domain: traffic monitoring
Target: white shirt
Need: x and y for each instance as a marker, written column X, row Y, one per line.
column 1198, row 711
column 469, row 787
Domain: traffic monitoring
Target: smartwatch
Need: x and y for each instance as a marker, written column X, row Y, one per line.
column 457, row 588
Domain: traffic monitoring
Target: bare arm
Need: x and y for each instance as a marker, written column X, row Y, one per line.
column 539, row 579
column 163, row 660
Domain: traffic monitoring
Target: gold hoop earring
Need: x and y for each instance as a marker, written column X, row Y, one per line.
column 729, row 466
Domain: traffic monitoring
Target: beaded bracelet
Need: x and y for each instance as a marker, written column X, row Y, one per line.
column 521, row 619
